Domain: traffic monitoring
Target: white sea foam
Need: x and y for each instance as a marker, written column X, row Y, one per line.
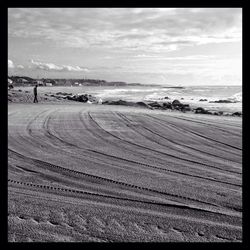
column 156, row 96
column 236, row 97
column 189, row 95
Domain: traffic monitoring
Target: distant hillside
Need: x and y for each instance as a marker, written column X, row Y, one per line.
column 18, row 78
column 24, row 80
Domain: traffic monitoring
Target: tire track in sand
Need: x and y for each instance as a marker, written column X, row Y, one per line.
column 136, row 187
column 156, row 151
column 125, row 118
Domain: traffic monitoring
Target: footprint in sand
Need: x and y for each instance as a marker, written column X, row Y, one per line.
column 172, row 234
column 80, row 222
column 99, row 224
column 114, row 225
column 139, row 228
column 35, row 220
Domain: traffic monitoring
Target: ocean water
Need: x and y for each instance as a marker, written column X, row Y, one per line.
column 187, row 95
column 190, row 95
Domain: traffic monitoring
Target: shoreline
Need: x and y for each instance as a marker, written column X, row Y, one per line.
column 22, row 95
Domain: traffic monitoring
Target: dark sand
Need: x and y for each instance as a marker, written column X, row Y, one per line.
column 81, row 172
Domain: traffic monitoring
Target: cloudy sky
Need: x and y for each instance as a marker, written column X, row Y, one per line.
column 146, row 45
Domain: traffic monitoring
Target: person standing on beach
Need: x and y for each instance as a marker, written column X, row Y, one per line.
column 35, row 94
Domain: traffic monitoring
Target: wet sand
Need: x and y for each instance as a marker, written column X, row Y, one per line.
column 95, row 173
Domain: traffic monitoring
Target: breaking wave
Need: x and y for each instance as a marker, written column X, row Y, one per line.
column 236, row 97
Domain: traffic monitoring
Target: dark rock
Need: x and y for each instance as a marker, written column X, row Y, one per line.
column 202, row 100
column 120, row 102
column 237, row 114
column 176, row 102
column 155, row 105
column 142, row 104
column 91, row 98
column 63, row 93
column 78, row 98
column 218, row 113
column 185, row 107
column 106, row 102
column 201, row 110
column 182, row 98
column 166, row 97
column 82, row 98
column 20, row 90
column 70, row 98
column 222, row 101
column 167, row 105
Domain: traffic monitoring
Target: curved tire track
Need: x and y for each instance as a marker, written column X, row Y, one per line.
column 135, row 187
column 169, row 140
column 202, row 136
column 160, row 152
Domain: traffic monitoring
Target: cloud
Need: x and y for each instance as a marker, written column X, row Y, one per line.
column 10, row 64
column 146, row 56
column 173, row 58
column 145, row 29
column 20, row 66
column 54, row 67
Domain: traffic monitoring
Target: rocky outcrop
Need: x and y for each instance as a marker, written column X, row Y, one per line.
column 78, row 98
column 218, row 113
column 143, row 104
column 185, row 107
column 237, row 114
column 176, row 104
column 155, row 105
column 167, row 105
column 81, row 98
column 126, row 103
column 201, row 110
column 223, row 101
column 64, row 93
column 120, row 102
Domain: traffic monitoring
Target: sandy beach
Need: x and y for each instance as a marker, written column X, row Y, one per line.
column 83, row 172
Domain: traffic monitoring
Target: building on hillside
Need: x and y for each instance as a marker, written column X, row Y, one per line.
column 24, row 80
column 39, row 83
column 48, row 84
